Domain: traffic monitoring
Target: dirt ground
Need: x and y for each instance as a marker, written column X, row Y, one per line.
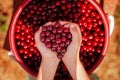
column 108, row 70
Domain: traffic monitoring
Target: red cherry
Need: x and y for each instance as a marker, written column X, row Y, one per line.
column 63, row 50
column 64, row 39
column 42, row 39
column 27, row 30
column 93, row 14
column 32, row 43
column 17, row 36
column 89, row 20
column 63, row 7
column 89, row 43
column 59, row 30
column 84, row 6
column 97, row 16
column 42, row 34
column 21, row 51
column 102, row 33
column 97, row 29
column 18, row 43
column 90, row 37
column 20, row 22
column 96, row 39
column 52, row 36
column 22, row 38
column 58, row 40
column 31, row 49
column 44, row 28
column 89, row 26
column 47, row 39
column 48, row 45
column 60, row 56
column 62, row 44
column 95, row 25
column 100, row 22
column 69, row 5
column 69, row 35
column 84, row 38
column 90, row 48
column 95, row 43
column 54, row 31
column 85, row 33
column 58, row 3
column 47, row 33
column 102, row 39
column 66, row 30
column 98, row 50
column 95, row 34
column 100, row 44
column 29, row 55
column 68, row 42
column 84, row 48
column 23, row 43
column 78, row 4
column 25, row 51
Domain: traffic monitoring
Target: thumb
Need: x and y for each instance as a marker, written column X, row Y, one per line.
column 76, row 34
column 37, row 38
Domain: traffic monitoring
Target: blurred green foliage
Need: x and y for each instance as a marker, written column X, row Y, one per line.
column 3, row 26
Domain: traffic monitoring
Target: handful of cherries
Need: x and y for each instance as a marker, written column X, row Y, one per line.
column 57, row 37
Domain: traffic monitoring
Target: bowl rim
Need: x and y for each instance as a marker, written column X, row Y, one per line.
column 20, row 61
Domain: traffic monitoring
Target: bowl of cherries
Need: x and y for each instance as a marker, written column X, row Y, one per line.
column 92, row 21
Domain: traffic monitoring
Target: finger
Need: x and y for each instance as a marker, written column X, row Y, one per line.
column 64, row 22
column 37, row 38
column 48, row 23
column 79, row 33
column 67, row 25
column 75, row 32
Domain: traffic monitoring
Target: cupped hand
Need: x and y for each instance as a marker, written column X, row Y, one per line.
column 45, row 52
column 74, row 47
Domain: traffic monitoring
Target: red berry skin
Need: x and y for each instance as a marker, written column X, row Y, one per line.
column 48, row 45
column 42, row 39
column 59, row 30
column 96, row 39
column 66, row 30
column 42, row 34
column 102, row 33
column 100, row 44
column 95, row 43
column 58, row 40
column 90, row 37
column 69, row 35
column 52, row 36
column 27, row 30
column 47, row 33
column 17, row 36
column 60, row 56
column 64, row 39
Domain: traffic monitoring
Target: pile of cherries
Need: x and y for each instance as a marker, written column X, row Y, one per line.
column 57, row 37
column 39, row 12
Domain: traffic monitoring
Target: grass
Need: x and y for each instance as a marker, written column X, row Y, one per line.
column 3, row 27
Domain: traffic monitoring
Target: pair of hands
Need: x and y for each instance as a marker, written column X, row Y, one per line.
column 72, row 50
column 70, row 58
